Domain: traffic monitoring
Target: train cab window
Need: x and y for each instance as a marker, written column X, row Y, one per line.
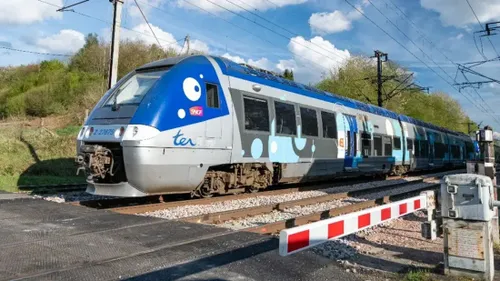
column 212, row 95
column 285, row 118
column 397, row 143
column 329, row 125
column 256, row 114
column 377, row 145
column 309, row 122
column 387, row 146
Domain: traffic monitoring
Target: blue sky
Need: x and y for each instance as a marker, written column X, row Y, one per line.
column 310, row 36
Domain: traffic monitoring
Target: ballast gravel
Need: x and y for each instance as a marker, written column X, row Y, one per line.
column 196, row 210
column 297, row 211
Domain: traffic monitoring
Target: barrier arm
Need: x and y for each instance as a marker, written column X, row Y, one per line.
column 302, row 237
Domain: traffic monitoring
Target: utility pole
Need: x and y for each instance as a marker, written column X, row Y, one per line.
column 115, row 42
column 379, row 55
column 187, row 42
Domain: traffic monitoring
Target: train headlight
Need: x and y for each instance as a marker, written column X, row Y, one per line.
column 82, row 130
column 135, row 131
column 89, row 132
column 119, row 132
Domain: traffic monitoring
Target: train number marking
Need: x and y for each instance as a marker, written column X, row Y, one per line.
column 181, row 141
column 196, row 111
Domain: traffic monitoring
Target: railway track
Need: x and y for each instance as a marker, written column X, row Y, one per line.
column 145, row 207
column 219, row 217
column 276, row 227
column 157, row 203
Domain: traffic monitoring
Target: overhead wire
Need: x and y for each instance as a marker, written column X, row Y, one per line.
column 108, row 22
column 316, row 65
column 281, row 27
column 481, row 25
column 272, row 30
column 404, row 47
column 147, row 22
column 36, row 53
column 425, row 54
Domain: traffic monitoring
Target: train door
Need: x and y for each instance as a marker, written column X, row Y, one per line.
column 351, row 143
column 430, row 138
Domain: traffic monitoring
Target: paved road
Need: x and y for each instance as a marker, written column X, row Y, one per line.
column 41, row 240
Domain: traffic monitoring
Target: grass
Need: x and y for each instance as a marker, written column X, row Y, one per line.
column 37, row 156
column 417, row 276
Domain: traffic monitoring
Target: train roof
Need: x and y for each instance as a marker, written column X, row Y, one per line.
column 274, row 80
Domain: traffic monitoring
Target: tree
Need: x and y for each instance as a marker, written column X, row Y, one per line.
column 357, row 80
column 288, row 74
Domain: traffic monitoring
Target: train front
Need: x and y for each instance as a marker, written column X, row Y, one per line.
column 141, row 137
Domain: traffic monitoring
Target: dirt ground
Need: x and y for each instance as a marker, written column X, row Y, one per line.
column 396, row 249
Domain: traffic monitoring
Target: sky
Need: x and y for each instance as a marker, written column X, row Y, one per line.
column 312, row 37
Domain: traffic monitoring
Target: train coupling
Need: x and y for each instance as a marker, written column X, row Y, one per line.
column 97, row 160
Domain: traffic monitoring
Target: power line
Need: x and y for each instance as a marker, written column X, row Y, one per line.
column 146, row 20
column 481, row 25
column 108, row 22
column 404, row 47
column 317, row 66
column 36, row 53
column 402, row 32
column 281, row 27
column 421, row 33
column 269, row 29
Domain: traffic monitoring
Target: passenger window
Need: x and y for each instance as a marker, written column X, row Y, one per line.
column 397, row 143
column 387, row 146
column 329, row 125
column 285, row 118
column 256, row 114
column 309, row 122
column 212, row 95
column 409, row 144
column 377, row 145
column 366, row 144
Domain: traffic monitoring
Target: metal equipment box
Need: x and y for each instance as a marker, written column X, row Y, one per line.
column 467, row 197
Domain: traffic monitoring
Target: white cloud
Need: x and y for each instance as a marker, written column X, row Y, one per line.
column 316, row 57
column 326, row 23
column 459, row 36
column 167, row 40
column 263, row 63
column 311, row 59
column 236, row 59
column 458, row 13
column 66, row 41
column 27, row 11
column 337, row 21
column 223, row 6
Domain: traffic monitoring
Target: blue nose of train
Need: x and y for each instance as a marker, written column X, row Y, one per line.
column 183, row 96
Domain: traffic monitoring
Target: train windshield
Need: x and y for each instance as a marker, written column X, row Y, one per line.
column 133, row 89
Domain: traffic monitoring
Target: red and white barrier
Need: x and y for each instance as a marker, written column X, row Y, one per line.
column 299, row 238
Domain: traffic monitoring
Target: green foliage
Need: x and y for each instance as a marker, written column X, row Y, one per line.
column 53, row 87
column 417, row 276
column 288, row 74
column 357, row 80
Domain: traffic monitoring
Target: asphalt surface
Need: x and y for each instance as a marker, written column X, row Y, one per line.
column 41, row 240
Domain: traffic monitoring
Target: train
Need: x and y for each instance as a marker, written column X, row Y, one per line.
column 206, row 125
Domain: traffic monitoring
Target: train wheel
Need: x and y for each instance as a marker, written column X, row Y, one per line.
column 252, row 189
column 204, row 192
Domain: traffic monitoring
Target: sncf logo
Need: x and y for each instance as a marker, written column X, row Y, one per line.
column 196, row 111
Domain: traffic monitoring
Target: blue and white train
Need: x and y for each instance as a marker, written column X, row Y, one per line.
column 206, row 125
